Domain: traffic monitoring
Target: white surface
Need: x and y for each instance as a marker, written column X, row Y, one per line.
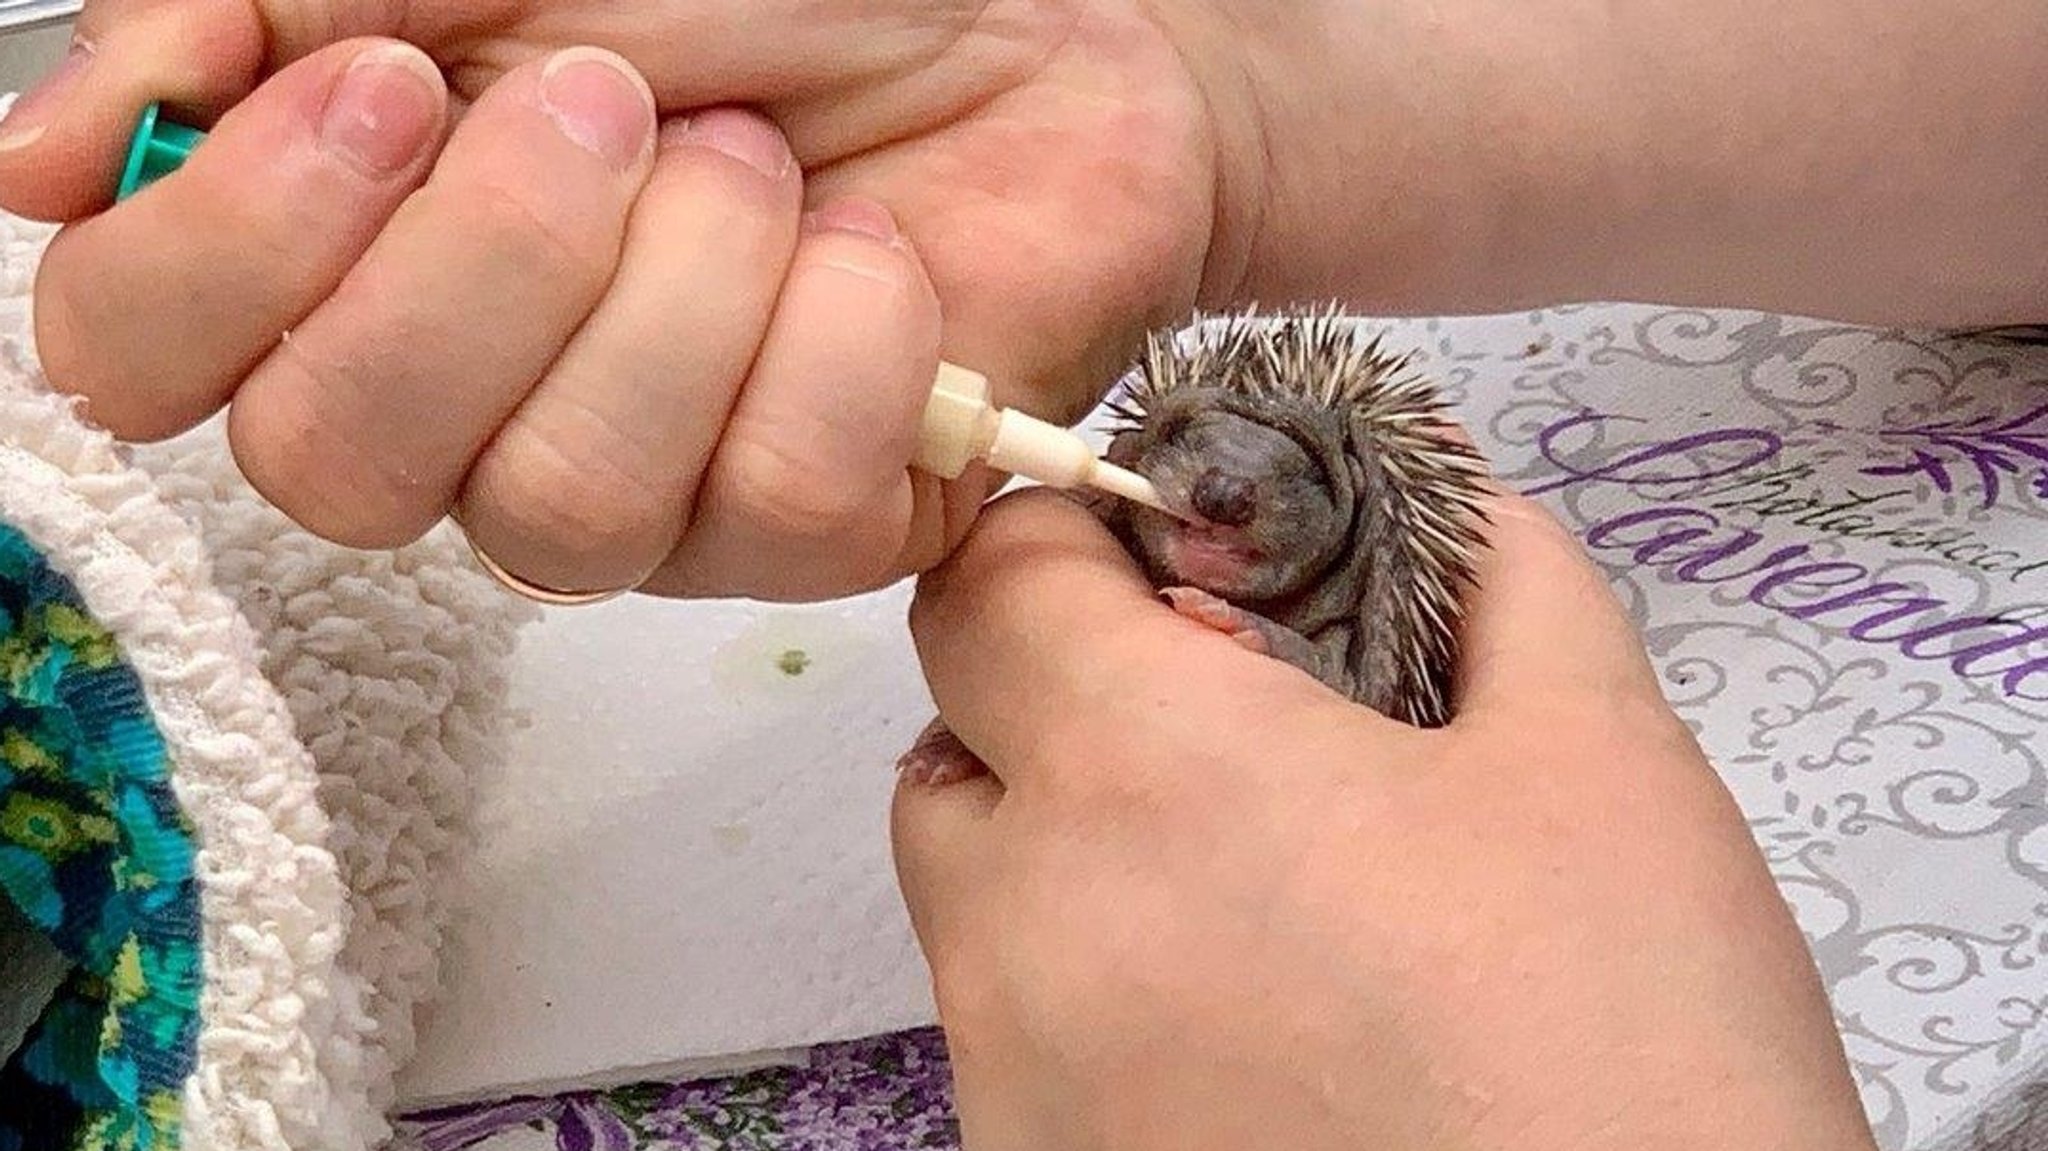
column 688, row 858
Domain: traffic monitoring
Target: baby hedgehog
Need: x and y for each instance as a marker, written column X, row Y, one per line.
column 1333, row 521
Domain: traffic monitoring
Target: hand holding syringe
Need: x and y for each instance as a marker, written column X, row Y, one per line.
column 961, row 424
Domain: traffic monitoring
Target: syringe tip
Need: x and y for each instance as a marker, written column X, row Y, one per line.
column 1130, row 485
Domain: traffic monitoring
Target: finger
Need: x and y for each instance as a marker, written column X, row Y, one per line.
column 591, row 481
column 1045, row 647
column 1542, row 624
column 363, row 423
column 941, row 833
column 809, row 492
column 63, row 145
column 240, row 244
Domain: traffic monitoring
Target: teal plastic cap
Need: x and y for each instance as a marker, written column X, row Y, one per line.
column 158, row 149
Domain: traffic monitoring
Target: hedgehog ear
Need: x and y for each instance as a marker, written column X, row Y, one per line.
column 1355, row 472
column 1356, row 441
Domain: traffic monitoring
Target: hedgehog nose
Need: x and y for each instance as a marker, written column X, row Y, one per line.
column 1225, row 498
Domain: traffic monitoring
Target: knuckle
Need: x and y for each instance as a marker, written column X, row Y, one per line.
column 781, row 492
column 63, row 323
column 342, row 490
column 81, row 347
column 508, row 221
column 926, row 616
column 345, row 508
column 940, row 593
column 578, row 499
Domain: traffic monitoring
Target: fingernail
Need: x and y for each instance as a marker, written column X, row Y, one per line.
column 30, row 116
column 384, row 109
column 862, row 217
column 597, row 100
column 744, row 136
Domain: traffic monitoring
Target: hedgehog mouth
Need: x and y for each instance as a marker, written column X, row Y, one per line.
column 1211, row 555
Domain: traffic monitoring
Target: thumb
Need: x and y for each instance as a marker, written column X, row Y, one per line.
column 64, row 143
column 1543, row 627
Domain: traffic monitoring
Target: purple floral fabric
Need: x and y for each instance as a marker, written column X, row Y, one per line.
column 892, row 1093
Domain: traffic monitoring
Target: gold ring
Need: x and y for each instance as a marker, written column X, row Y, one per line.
column 535, row 592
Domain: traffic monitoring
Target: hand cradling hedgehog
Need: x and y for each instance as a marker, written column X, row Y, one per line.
column 1333, row 510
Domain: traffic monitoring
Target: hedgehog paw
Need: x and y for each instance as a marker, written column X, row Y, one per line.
column 1215, row 612
column 1259, row 635
column 938, row 758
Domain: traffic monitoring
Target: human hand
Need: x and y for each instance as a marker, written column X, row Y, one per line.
column 1189, row 898
column 608, row 358
column 608, row 367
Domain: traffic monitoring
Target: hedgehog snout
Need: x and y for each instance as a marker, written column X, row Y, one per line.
column 1225, row 498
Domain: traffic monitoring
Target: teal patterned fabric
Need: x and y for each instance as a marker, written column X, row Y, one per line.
column 96, row 854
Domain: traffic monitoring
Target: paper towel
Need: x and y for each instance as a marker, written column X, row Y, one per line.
column 686, row 865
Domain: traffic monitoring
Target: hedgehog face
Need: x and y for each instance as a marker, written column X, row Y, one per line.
column 1267, row 519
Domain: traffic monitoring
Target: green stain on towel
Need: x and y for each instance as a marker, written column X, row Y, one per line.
column 97, row 858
